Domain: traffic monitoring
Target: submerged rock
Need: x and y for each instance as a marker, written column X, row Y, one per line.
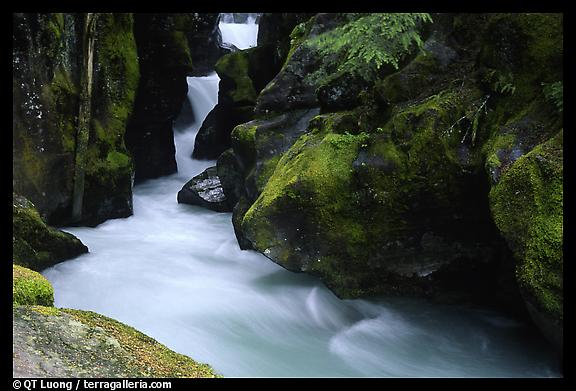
column 205, row 190
column 50, row 342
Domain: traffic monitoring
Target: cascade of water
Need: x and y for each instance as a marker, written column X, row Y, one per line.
column 176, row 273
column 203, row 96
column 241, row 35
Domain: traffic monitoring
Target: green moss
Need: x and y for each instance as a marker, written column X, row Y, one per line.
column 235, row 67
column 527, row 206
column 298, row 36
column 49, row 311
column 36, row 245
column 61, row 95
column 117, row 160
column 526, row 48
column 182, row 48
column 496, row 145
column 266, row 170
column 316, row 169
column 30, row 287
column 148, row 356
column 243, row 142
column 408, row 82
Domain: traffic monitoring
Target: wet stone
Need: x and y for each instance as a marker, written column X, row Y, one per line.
column 205, row 190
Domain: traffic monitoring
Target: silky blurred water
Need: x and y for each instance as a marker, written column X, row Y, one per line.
column 176, row 273
column 241, row 35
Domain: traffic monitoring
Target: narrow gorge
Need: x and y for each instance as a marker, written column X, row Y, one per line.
column 289, row 195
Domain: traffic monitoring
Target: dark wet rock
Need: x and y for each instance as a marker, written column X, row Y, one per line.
column 274, row 31
column 205, row 190
column 231, row 174
column 46, row 61
column 242, row 74
column 170, row 48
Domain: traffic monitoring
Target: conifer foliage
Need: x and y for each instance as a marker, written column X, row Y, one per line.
column 369, row 41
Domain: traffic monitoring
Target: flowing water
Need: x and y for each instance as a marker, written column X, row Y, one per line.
column 176, row 273
column 241, row 35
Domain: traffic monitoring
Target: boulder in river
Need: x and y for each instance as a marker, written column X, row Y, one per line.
column 205, row 190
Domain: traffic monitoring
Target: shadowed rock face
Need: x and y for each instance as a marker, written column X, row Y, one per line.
column 47, row 53
column 205, row 190
column 170, row 48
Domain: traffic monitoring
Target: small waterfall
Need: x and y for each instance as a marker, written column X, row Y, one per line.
column 203, row 96
column 242, row 35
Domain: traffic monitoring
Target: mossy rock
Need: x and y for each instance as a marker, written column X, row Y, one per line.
column 30, row 288
column 527, row 206
column 50, row 342
column 233, row 70
column 377, row 212
column 36, row 245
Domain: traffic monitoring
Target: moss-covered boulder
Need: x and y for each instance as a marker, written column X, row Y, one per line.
column 256, row 149
column 36, row 245
column 527, row 205
column 378, row 210
column 109, row 168
column 50, row 342
column 30, row 288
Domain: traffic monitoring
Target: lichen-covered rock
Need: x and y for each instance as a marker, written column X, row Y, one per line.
column 36, row 245
column 205, row 190
column 30, row 288
column 47, row 54
column 527, row 205
column 50, row 342
column 167, row 55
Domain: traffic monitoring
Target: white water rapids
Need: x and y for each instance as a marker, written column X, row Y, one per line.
column 176, row 273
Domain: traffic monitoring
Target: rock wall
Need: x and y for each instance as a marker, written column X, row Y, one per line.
column 46, row 60
column 170, row 47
